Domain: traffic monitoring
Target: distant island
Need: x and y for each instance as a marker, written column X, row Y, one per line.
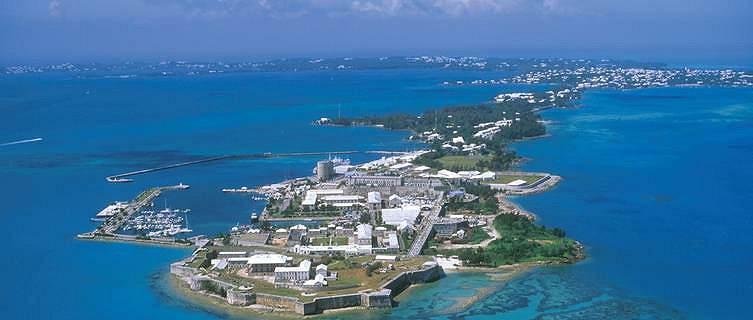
column 357, row 235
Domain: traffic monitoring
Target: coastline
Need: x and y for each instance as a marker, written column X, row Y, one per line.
column 499, row 275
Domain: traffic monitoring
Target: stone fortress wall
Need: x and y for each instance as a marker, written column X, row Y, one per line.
column 370, row 299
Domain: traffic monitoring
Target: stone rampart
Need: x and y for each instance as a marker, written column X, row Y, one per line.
column 408, row 278
column 370, row 299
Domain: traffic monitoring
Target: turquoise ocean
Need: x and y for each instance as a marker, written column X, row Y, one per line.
column 656, row 184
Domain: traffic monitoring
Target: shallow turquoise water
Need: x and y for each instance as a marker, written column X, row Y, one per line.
column 655, row 185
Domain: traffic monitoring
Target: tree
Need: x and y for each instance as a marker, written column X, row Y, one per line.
column 365, row 217
column 265, row 226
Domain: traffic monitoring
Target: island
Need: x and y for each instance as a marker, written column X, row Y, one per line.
column 358, row 235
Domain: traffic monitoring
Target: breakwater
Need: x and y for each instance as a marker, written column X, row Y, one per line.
column 115, row 178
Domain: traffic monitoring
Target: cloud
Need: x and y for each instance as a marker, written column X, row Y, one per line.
column 55, row 8
column 560, row 7
column 385, row 8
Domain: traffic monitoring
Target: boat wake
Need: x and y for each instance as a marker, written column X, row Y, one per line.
column 20, row 142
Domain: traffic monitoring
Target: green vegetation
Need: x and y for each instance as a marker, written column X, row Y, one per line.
column 372, row 267
column 495, row 158
column 320, row 241
column 521, row 241
column 145, row 194
column 325, row 241
column 340, row 241
column 460, row 163
column 216, row 289
column 365, row 217
column 261, row 286
column 225, row 238
column 460, row 121
column 503, row 179
column 477, row 235
column 487, row 202
column 407, row 240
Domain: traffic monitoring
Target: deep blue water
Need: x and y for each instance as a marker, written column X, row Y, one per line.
column 656, row 184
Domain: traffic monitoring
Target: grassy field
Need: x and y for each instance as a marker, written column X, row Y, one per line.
column 462, row 162
column 477, row 235
column 320, row 241
column 262, row 286
column 336, row 241
column 356, row 275
column 350, row 272
column 340, row 241
column 503, row 179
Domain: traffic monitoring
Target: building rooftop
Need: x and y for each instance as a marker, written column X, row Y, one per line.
column 325, row 191
column 342, row 198
column 397, row 215
column 516, row 183
column 232, row 253
column 270, row 258
column 363, row 231
column 304, row 266
column 374, row 197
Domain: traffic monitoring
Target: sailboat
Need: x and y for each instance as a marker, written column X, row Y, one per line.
column 186, row 229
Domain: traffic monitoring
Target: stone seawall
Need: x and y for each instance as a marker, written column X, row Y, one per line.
column 408, row 278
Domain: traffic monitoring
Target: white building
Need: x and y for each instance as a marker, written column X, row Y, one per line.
column 364, row 234
column 112, row 209
column 261, row 263
column 405, row 227
column 229, row 254
column 309, row 202
column 380, row 181
column 322, row 270
column 396, row 216
column 347, row 250
column 448, row 174
column 374, row 200
column 395, row 200
column 332, row 200
column 300, row 273
column 488, row 175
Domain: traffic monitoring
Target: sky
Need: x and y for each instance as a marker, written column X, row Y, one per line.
column 704, row 31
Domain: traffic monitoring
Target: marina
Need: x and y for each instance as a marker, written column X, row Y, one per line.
column 166, row 222
column 241, row 189
column 130, row 220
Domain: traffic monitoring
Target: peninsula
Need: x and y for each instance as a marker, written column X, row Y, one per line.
column 357, row 235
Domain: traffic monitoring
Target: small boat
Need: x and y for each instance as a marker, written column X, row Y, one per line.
column 182, row 186
column 118, row 180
